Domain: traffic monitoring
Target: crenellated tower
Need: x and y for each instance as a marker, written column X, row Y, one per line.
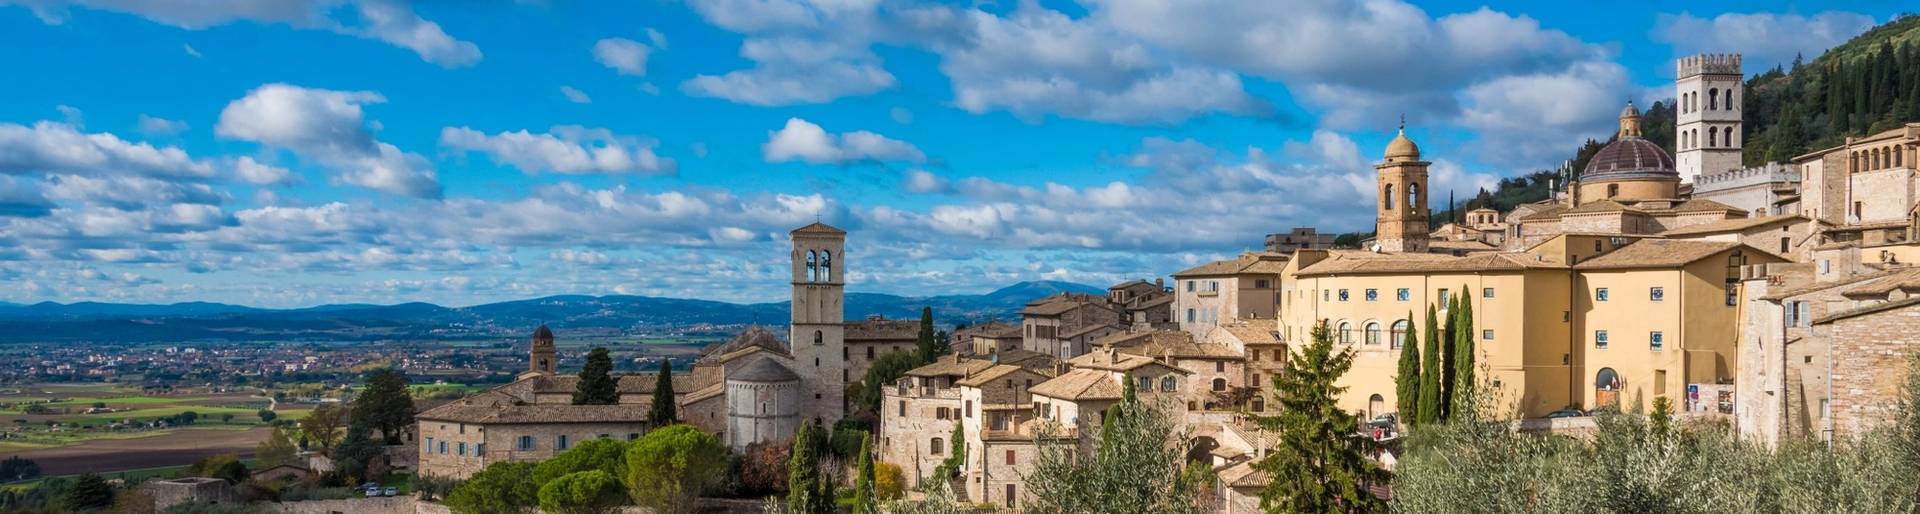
column 1707, row 112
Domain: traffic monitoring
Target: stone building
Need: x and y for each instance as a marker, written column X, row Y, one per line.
column 1300, row 238
column 1864, row 181
column 1224, row 291
column 1058, row 325
column 753, row 388
column 1401, row 216
column 1770, row 189
column 1708, row 114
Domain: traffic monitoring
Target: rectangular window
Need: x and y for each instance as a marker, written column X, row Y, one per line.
column 560, row 442
column 1825, row 266
column 1733, row 294
column 1260, row 284
column 1323, row 295
column 1487, row 334
column 443, row 447
column 1657, row 293
column 1402, row 294
column 903, row 408
column 1343, row 295
column 1656, row 340
column 1009, row 457
column 1443, row 298
column 463, row 450
column 1659, row 382
column 1146, row 384
column 1189, row 286
column 969, row 408
column 1806, row 312
column 480, row 450
column 869, row 353
column 1190, row 315
column 1600, row 294
column 1486, row 292
column 1373, row 295
column 1599, row 339
column 1010, row 502
column 429, row 445
column 526, row 443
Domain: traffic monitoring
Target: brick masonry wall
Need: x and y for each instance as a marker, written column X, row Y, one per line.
column 1870, row 364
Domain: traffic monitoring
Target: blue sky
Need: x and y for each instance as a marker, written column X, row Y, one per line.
column 316, row 151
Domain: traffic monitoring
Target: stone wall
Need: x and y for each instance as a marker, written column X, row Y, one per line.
column 501, row 443
column 386, row 505
column 1870, row 353
column 1882, row 195
column 905, row 438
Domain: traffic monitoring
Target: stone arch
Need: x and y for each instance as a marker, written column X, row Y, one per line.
column 1371, row 332
column 1398, row 334
column 1376, row 405
column 1713, row 99
column 826, row 265
column 1413, row 197
column 813, row 266
column 1606, row 387
column 1346, row 332
column 1713, row 137
column 1386, row 198
column 1219, row 384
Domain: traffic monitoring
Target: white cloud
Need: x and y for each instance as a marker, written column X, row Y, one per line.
column 258, row 173
column 329, row 127
column 923, row 181
column 58, row 147
column 160, row 126
column 567, row 149
column 383, row 20
column 792, row 71
column 801, row 140
column 1535, row 120
column 624, row 55
column 575, row 95
column 190, row 50
column 1765, row 39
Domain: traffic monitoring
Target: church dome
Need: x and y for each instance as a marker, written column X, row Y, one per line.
column 1402, row 148
column 1630, row 156
column 543, row 333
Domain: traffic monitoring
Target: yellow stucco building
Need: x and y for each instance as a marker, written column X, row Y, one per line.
column 1581, row 319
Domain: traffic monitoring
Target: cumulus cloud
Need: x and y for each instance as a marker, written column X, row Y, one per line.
column 258, row 173
column 1765, row 39
column 575, row 95
column 1529, row 120
column 383, row 20
column 792, row 71
column 801, row 140
column 22, row 199
column 59, row 147
column 569, row 149
column 626, row 56
column 923, row 181
column 329, row 127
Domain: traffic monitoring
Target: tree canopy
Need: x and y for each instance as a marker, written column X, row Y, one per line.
column 1320, row 463
column 670, row 467
column 597, row 385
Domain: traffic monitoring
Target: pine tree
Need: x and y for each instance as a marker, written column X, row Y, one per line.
column 89, row 492
column 928, row 353
column 1429, row 410
column 663, row 412
column 1407, row 383
column 1320, row 462
column 597, row 386
column 809, row 491
column 1462, row 356
column 865, row 501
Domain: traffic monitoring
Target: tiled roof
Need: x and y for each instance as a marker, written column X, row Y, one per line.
column 1657, row 253
column 883, row 330
column 1160, row 343
column 1704, row 205
column 1243, row 474
column 498, row 406
column 951, row 366
column 1600, row 206
column 763, row 369
column 1088, row 329
column 1249, row 334
column 819, row 228
column 1116, row 361
column 625, row 384
column 1369, row 262
column 753, row 336
column 1733, row 225
column 1551, row 212
column 1905, row 279
column 1250, row 262
column 1870, row 309
column 1629, row 157
column 1080, row 384
column 989, row 375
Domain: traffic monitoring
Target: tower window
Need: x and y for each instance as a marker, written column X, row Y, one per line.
column 1386, row 198
column 818, row 338
column 1713, row 99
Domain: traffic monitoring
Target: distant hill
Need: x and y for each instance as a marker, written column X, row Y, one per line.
column 611, row 315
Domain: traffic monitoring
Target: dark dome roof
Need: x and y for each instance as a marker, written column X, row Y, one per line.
column 542, row 333
column 763, row 370
column 1630, row 158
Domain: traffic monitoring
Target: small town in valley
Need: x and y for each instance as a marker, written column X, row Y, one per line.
column 1708, row 302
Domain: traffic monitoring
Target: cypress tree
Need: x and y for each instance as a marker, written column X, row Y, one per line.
column 596, row 386
column 1448, row 331
column 1429, row 410
column 1407, row 383
column 1320, row 462
column 865, row 500
column 1463, row 356
column 663, row 412
column 89, row 492
column 926, row 346
column 808, row 490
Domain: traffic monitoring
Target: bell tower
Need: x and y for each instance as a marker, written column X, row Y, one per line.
column 1707, row 115
column 1401, row 214
column 817, row 335
column 541, row 357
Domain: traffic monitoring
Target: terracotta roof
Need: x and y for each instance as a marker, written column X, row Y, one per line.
column 951, row 366
column 1081, row 384
column 1159, row 343
column 1546, row 213
column 1117, row 361
column 819, row 228
column 625, row 384
column 763, row 370
column 989, row 375
column 1732, row 225
column 1250, row 334
column 1905, row 279
column 1368, row 262
column 753, row 336
column 1870, row 309
column 1243, row 474
column 1704, row 205
column 543, row 333
column 1143, row 302
column 1130, row 283
column 883, row 330
column 1018, row 356
column 1600, row 206
column 1249, row 262
column 1468, row 245
column 1088, row 329
column 1657, row 253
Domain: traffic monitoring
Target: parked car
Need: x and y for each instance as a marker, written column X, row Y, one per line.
column 373, row 492
column 392, row 491
column 1566, row 413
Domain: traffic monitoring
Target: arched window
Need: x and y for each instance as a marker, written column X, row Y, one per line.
column 819, row 338
column 826, row 266
column 1413, row 197
column 1713, row 137
column 1376, row 405
column 1896, row 157
column 1386, row 198
column 1730, row 104
column 1219, row 384
column 1168, row 384
column 936, row 446
column 1606, row 380
column 1399, row 334
column 1346, row 333
column 1713, row 99
column 813, row 266
column 1373, row 332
